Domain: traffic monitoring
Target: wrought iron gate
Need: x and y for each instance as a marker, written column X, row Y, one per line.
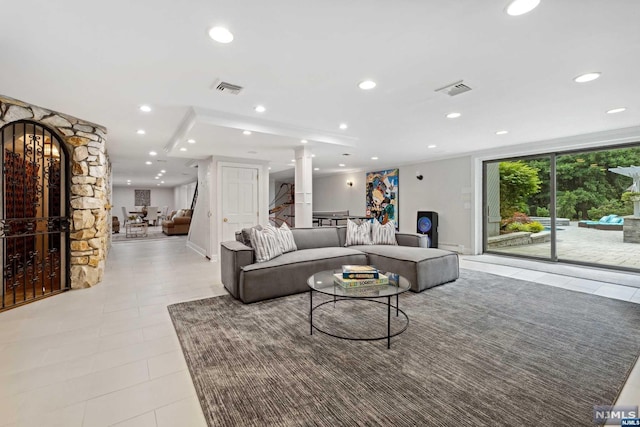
column 33, row 222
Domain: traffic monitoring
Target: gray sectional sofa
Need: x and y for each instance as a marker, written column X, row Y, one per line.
column 322, row 248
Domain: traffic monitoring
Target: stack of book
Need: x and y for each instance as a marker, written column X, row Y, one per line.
column 357, row 276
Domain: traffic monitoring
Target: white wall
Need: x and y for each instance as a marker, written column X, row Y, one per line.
column 125, row 196
column 183, row 195
column 446, row 188
column 200, row 228
column 331, row 193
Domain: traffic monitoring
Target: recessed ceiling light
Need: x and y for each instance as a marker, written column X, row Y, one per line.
column 374, row 158
column 145, row 108
column 163, row 171
column 616, row 110
column 341, row 165
column 432, row 146
column 303, row 141
column 161, row 182
column 221, row 35
column 158, row 185
column 316, row 169
column 313, row 155
column 293, row 160
column 128, row 183
column 587, row 77
column 502, row 132
column 153, row 153
column 128, row 180
column 520, row 7
column 453, row 115
column 140, row 132
column 156, row 177
column 183, row 149
column 367, row 84
column 343, row 126
column 246, row 132
column 148, row 162
column 269, row 168
column 191, row 141
column 260, row 109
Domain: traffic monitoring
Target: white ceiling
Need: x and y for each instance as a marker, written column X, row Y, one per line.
column 303, row 60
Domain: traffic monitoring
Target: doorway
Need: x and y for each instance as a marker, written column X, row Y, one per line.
column 240, row 207
column 33, row 215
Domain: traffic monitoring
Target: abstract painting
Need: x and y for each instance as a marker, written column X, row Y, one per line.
column 143, row 197
column 382, row 196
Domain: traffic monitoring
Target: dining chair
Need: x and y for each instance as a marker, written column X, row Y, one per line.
column 152, row 215
column 125, row 215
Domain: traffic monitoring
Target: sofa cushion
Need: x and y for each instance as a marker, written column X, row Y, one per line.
column 265, row 243
column 423, row 267
column 319, row 237
column 383, row 234
column 245, row 235
column 288, row 273
column 304, row 255
column 358, row 234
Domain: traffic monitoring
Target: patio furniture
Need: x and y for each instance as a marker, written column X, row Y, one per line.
column 609, row 222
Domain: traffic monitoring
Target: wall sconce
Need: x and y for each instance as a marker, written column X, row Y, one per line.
column 350, row 183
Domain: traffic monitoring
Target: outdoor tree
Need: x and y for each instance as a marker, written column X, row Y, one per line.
column 518, row 182
column 585, row 186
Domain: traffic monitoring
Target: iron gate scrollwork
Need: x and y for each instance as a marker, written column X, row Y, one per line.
column 33, row 223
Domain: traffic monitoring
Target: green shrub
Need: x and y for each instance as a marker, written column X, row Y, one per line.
column 534, row 227
column 531, row 227
column 542, row 211
column 627, row 195
column 611, row 207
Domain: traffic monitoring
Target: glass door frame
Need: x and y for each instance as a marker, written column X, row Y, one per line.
column 552, row 204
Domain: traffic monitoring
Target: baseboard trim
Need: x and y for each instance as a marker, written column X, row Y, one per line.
column 196, row 248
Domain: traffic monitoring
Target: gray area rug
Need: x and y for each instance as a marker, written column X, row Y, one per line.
column 484, row 350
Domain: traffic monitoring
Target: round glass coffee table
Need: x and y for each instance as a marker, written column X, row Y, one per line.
column 323, row 282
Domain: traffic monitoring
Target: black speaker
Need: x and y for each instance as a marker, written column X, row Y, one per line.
column 428, row 224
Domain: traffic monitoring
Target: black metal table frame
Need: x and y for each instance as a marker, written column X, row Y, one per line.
column 369, row 299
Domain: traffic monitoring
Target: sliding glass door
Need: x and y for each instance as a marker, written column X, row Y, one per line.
column 517, row 207
column 575, row 207
column 595, row 200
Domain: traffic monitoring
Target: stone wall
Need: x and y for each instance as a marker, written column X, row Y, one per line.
column 89, row 196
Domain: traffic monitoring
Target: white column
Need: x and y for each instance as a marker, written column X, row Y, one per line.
column 303, row 188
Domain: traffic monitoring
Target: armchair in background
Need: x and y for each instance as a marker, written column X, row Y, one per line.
column 178, row 224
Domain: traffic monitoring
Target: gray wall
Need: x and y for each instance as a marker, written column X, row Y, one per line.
column 446, row 188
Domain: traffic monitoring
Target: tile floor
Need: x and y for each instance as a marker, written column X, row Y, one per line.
column 108, row 356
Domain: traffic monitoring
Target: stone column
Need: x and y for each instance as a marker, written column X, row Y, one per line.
column 88, row 178
column 303, row 188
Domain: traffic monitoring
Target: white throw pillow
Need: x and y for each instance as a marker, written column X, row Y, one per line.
column 287, row 242
column 358, row 234
column 265, row 244
column 284, row 236
column 383, row 234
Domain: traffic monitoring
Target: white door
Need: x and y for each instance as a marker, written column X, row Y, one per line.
column 239, row 200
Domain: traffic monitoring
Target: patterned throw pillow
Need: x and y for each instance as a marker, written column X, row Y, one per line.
column 286, row 239
column 284, row 236
column 358, row 234
column 265, row 244
column 383, row 234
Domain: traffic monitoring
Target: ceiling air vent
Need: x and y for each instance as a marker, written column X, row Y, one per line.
column 226, row 87
column 454, row 89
